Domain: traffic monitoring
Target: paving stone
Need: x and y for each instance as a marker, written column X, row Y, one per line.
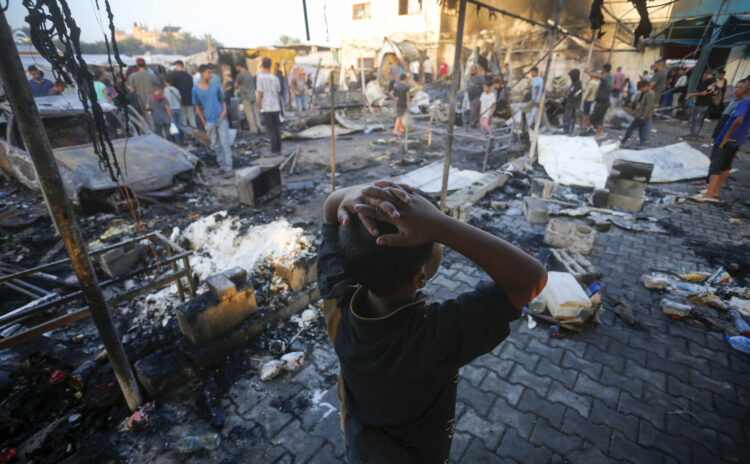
column 608, row 395
column 640, row 408
column 301, row 450
column 521, row 376
column 596, row 434
column 497, row 386
column 683, row 425
column 568, row 345
column 720, row 387
column 685, row 358
column 632, row 385
column 326, row 454
column 459, row 445
column 604, row 415
column 473, row 374
column 581, row 403
column 731, row 451
column 563, row 375
column 521, row 422
column 521, row 450
column 552, row 353
column 701, row 454
column 656, row 378
column 624, row 449
column 678, row 447
column 545, row 435
column 594, row 370
column 681, row 389
column 553, row 412
column 492, row 362
column 619, row 349
column 480, row 401
column 489, row 432
column 595, row 354
column 510, row 352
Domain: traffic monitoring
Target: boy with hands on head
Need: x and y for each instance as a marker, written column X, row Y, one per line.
column 399, row 355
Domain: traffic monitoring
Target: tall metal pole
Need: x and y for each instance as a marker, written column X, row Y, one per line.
column 553, row 38
column 452, row 110
column 333, row 135
column 307, row 26
column 50, row 181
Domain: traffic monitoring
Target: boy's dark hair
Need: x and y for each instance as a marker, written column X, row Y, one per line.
column 178, row 62
column 266, row 63
column 534, row 69
column 168, row 79
column 402, row 77
column 642, row 84
column 607, row 67
column 382, row 269
column 98, row 74
column 203, row 68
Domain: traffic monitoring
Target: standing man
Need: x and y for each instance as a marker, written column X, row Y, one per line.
column 392, row 76
column 427, row 67
column 299, row 91
column 143, row 84
column 702, row 101
column 680, row 88
column 183, row 82
column 212, row 112
column 442, row 69
column 474, row 89
column 659, row 82
column 400, row 93
column 572, row 101
column 269, row 104
column 414, row 70
column 642, row 114
column 40, row 87
column 506, row 74
column 245, row 85
column 537, row 87
column 196, row 76
column 619, row 78
column 732, row 136
column 588, row 102
column 602, row 98
column 282, row 83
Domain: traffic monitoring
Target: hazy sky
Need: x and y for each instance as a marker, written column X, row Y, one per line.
column 235, row 23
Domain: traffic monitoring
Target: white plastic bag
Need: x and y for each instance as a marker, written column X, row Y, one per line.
column 173, row 130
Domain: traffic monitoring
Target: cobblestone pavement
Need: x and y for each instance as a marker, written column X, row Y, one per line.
column 669, row 392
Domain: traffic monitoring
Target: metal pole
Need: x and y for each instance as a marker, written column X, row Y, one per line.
column 612, row 45
column 50, row 181
column 591, row 48
column 315, row 83
column 333, row 136
column 553, row 38
column 456, row 78
column 307, row 26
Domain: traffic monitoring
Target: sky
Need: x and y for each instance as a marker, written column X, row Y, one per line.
column 234, row 23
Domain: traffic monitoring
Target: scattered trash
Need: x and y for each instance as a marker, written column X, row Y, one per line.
column 563, row 295
column 57, row 377
column 276, row 347
column 739, row 322
column 140, row 419
column 531, row 322
column 741, row 305
column 739, row 343
column 555, row 332
column 708, row 299
column 695, row 277
column 210, row 399
column 291, row 361
column 653, row 281
column 721, row 278
column 688, row 287
column 74, row 418
column 271, row 369
column 7, row 455
column 191, row 444
column 673, row 308
column 625, row 312
column 735, row 221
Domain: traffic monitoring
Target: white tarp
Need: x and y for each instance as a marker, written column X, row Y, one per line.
column 430, row 178
column 672, row 163
column 574, row 161
column 579, row 161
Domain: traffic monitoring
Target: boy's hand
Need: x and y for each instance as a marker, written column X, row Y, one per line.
column 418, row 221
column 382, row 196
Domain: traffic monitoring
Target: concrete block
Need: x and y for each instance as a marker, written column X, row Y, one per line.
column 221, row 286
column 573, row 262
column 627, row 203
column 161, row 372
column 257, row 183
column 117, row 262
column 631, row 170
column 297, row 272
column 237, row 275
column 499, row 204
column 205, row 317
column 566, row 234
column 456, row 201
column 599, row 198
column 627, row 183
column 535, row 210
column 543, row 188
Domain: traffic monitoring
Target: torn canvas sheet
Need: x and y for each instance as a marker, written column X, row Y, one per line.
column 343, row 126
column 576, row 161
column 672, row 163
column 430, row 178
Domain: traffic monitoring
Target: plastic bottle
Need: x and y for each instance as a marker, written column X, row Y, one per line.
column 739, row 343
column 191, row 444
column 739, row 322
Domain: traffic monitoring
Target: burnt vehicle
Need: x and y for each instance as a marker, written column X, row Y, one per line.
column 149, row 163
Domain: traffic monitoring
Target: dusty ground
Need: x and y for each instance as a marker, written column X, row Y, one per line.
column 665, row 392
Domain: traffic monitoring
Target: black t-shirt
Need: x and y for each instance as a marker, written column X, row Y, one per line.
column 704, row 100
column 399, row 373
column 183, row 82
column 400, row 90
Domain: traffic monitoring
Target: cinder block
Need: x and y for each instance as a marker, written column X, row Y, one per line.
column 625, row 202
column 237, row 275
column 627, row 183
column 221, row 286
column 565, row 234
column 535, row 210
column 297, row 272
column 457, row 201
column 543, row 188
column 117, row 262
column 206, row 317
column 257, row 183
column 599, row 198
column 162, row 372
column 573, row 262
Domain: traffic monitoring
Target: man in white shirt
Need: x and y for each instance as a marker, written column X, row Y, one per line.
column 427, row 67
column 414, row 70
column 269, row 104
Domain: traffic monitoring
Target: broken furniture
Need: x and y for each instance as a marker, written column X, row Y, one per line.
column 257, row 183
column 627, row 183
column 11, row 322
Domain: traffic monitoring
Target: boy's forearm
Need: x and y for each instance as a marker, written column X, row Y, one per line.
column 331, row 206
column 521, row 276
